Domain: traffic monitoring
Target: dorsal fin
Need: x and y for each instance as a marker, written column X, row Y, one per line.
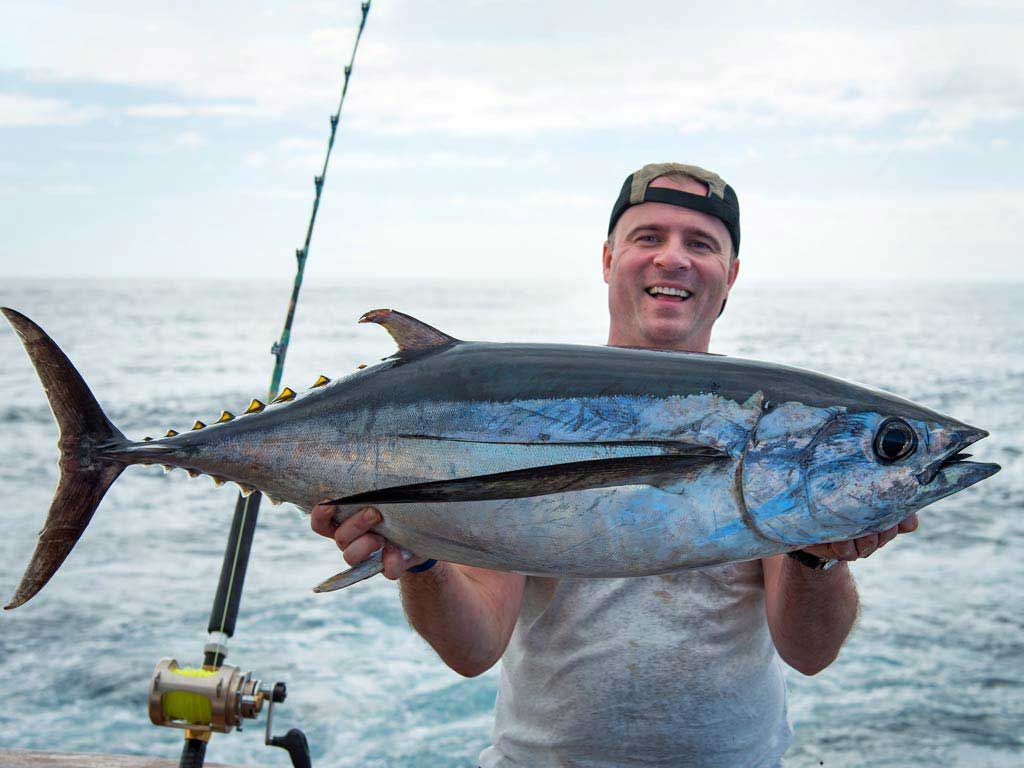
column 409, row 333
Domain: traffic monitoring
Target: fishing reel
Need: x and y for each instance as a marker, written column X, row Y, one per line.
column 218, row 699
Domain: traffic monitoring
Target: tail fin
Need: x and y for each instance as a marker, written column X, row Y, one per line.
column 85, row 475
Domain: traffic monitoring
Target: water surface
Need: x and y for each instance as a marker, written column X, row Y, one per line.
column 932, row 675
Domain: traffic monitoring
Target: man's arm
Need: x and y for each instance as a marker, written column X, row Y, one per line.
column 811, row 612
column 466, row 614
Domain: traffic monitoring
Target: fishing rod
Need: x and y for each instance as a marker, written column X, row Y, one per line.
column 218, row 697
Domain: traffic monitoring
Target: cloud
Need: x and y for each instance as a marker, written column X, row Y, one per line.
column 304, row 153
column 255, row 159
column 158, row 110
column 71, row 189
column 397, row 161
column 275, row 193
column 1008, row 5
column 958, row 237
column 829, row 78
column 540, row 200
column 297, row 143
column 176, row 111
column 930, row 84
column 875, row 145
column 189, row 140
column 17, row 109
column 208, row 68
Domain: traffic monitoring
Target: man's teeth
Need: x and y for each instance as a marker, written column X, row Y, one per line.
column 665, row 290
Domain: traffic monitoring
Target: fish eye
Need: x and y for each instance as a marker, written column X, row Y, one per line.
column 894, row 440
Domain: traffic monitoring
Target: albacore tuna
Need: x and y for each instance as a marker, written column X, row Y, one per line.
column 542, row 458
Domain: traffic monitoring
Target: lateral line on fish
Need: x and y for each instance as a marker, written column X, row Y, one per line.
column 153, row 447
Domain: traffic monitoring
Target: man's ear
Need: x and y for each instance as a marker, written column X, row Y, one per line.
column 734, row 270
column 606, row 258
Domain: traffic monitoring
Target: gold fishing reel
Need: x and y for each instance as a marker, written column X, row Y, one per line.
column 207, row 699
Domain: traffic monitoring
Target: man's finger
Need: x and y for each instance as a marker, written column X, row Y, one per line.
column 362, row 548
column 320, row 520
column 394, row 563
column 357, row 525
column 887, row 535
column 908, row 525
column 824, row 551
column 844, row 550
column 866, row 545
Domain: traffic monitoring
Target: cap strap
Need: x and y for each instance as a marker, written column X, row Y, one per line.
column 713, row 206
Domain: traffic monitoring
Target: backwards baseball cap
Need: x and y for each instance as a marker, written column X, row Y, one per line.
column 720, row 201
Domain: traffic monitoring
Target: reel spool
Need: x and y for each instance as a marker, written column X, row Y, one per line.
column 206, row 700
column 201, row 701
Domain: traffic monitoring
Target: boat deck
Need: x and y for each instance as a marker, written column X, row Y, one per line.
column 30, row 758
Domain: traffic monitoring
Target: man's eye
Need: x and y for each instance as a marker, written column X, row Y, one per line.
column 700, row 245
column 647, row 239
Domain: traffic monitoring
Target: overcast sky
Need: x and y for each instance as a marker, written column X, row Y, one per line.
column 865, row 140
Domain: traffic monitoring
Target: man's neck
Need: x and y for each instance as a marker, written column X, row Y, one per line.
column 694, row 345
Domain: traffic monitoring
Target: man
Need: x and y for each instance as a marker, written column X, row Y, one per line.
column 681, row 669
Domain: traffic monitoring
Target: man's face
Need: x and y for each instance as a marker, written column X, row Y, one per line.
column 659, row 251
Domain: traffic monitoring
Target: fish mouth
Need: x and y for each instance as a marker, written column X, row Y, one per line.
column 952, row 466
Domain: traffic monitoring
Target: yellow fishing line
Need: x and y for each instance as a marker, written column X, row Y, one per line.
column 190, row 707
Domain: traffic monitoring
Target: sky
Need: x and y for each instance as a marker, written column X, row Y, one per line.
column 867, row 141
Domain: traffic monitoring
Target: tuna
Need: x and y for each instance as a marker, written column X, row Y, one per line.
column 543, row 459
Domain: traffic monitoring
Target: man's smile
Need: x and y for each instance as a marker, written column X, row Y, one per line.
column 668, row 293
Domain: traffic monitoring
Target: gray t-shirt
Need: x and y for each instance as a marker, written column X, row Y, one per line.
column 674, row 670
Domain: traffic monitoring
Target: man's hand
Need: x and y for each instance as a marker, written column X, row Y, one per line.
column 865, row 545
column 357, row 541
column 467, row 614
column 810, row 613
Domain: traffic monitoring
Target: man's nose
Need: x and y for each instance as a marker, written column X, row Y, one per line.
column 673, row 256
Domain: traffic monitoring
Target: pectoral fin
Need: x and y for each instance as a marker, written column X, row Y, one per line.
column 539, row 481
column 373, row 565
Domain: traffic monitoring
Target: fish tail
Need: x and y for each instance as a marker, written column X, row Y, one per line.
column 85, row 472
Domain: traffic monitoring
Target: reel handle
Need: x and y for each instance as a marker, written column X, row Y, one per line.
column 294, row 742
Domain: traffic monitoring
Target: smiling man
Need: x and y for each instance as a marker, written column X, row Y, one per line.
column 683, row 669
column 669, row 268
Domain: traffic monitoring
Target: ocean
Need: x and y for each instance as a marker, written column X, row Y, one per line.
column 932, row 675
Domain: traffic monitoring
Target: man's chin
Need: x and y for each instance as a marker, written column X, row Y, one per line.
column 668, row 333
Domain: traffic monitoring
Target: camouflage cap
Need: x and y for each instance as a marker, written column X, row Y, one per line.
column 720, row 200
